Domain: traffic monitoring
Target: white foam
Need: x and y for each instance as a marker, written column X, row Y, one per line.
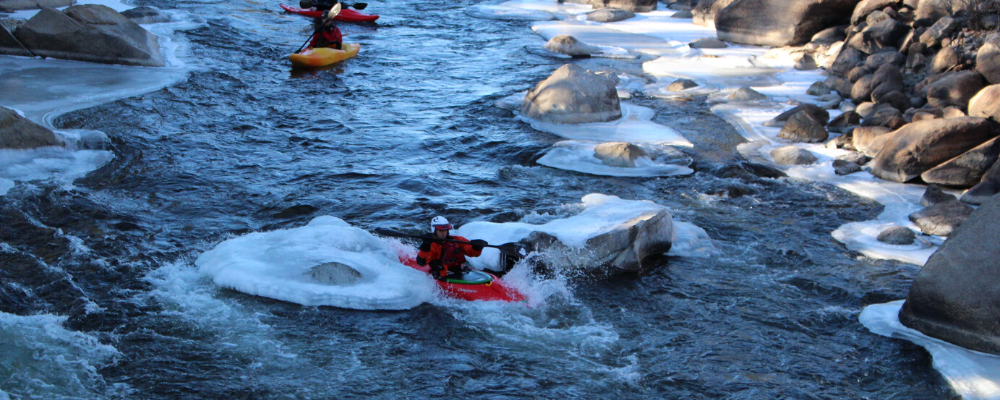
column 600, row 214
column 580, row 157
column 635, row 126
column 41, row 359
column 277, row 265
column 972, row 374
column 58, row 163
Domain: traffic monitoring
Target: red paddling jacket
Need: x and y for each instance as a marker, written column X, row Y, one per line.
column 449, row 255
column 328, row 37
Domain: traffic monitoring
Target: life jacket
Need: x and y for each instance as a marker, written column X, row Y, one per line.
column 452, row 255
column 328, row 37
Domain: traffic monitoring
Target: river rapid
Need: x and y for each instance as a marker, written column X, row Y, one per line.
column 100, row 298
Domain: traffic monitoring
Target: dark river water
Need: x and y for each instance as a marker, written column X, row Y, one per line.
column 405, row 131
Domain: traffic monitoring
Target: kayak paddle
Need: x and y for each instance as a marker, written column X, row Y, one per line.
column 334, row 11
column 516, row 251
column 357, row 6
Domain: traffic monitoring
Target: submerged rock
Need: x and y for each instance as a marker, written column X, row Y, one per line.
column 956, row 296
column 573, row 95
column 568, row 45
column 17, row 132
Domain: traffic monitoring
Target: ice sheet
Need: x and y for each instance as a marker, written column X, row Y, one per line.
column 63, row 164
column 690, row 241
column 635, row 126
column 972, row 374
column 508, row 13
column 579, row 156
column 277, row 265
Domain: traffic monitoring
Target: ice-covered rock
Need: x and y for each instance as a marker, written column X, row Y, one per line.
column 573, row 95
column 568, row 45
column 610, row 15
column 325, row 263
column 609, row 235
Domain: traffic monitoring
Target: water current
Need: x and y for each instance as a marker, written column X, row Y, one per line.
column 100, row 297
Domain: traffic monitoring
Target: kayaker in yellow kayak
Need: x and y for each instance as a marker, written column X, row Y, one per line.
column 327, row 34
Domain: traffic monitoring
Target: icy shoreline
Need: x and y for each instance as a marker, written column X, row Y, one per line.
column 720, row 72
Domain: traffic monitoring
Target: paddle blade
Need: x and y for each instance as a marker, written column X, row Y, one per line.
column 516, row 251
column 359, row 6
column 392, row 233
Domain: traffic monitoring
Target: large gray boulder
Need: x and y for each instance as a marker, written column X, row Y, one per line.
column 956, row 296
column 986, row 188
column 966, row 170
column 920, row 146
column 777, row 22
column 573, row 95
column 17, row 132
column 706, row 10
column 941, row 219
column 866, row 7
column 869, row 140
column 9, row 6
column 955, row 89
column 92, row 33
column 804, row 127
column 8, row 43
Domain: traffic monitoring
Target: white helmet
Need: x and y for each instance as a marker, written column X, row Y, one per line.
column 440, row 223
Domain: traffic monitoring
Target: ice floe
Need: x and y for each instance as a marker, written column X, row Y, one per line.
column 283, row 265
column 974, row 375
column 580, row 157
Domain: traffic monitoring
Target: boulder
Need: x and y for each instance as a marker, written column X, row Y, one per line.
column 17, row 132
column 881, row 58
column 863, row 88
column 942, row 218
column 933, row 9
column 9, row 6
column 818, row 89
column 855, row 74
column 745, row 93
column 816, row 112
column 610, row 15
column 946, row 59
column 885, row 115
column 986, row 188
column 777, row 22
column 869, row 140
column 804, row 127
column 986, row 103
column 941, row 29
column 8, row 43
column 705, row 11
column 92, row 33
column 896, row 99
column 844, row 167
column 682, row 14
column 573, row 95
column 708, row 43
column 681, row 84
column 568, row 45
column 934, row 195
column 791, row 155
column 887, row 33
column 846, row 60
column 956, row 295
column 627, row 5
column 146, row 15
column 967, row 169
column 988, row 62
column 920, row 146
column 952, row 112
column 619, row 154
column 897, row 235
column 841, row 122
column 621, row 248
column 856, row 158
column 955, row 89
column 866, row 7
column 830, row 35
column 805, row 62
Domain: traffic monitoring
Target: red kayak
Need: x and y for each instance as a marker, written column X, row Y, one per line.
column 346, row 14
column 471, row 285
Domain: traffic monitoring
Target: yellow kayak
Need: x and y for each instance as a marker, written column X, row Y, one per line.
column 321, row 56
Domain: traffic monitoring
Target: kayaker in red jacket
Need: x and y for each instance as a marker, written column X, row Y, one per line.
column 327, row 34
column 446, row 258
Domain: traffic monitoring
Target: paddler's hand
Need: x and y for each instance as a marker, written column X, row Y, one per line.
column 478, row 244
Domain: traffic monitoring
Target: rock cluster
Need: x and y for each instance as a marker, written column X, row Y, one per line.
column 90, row 32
